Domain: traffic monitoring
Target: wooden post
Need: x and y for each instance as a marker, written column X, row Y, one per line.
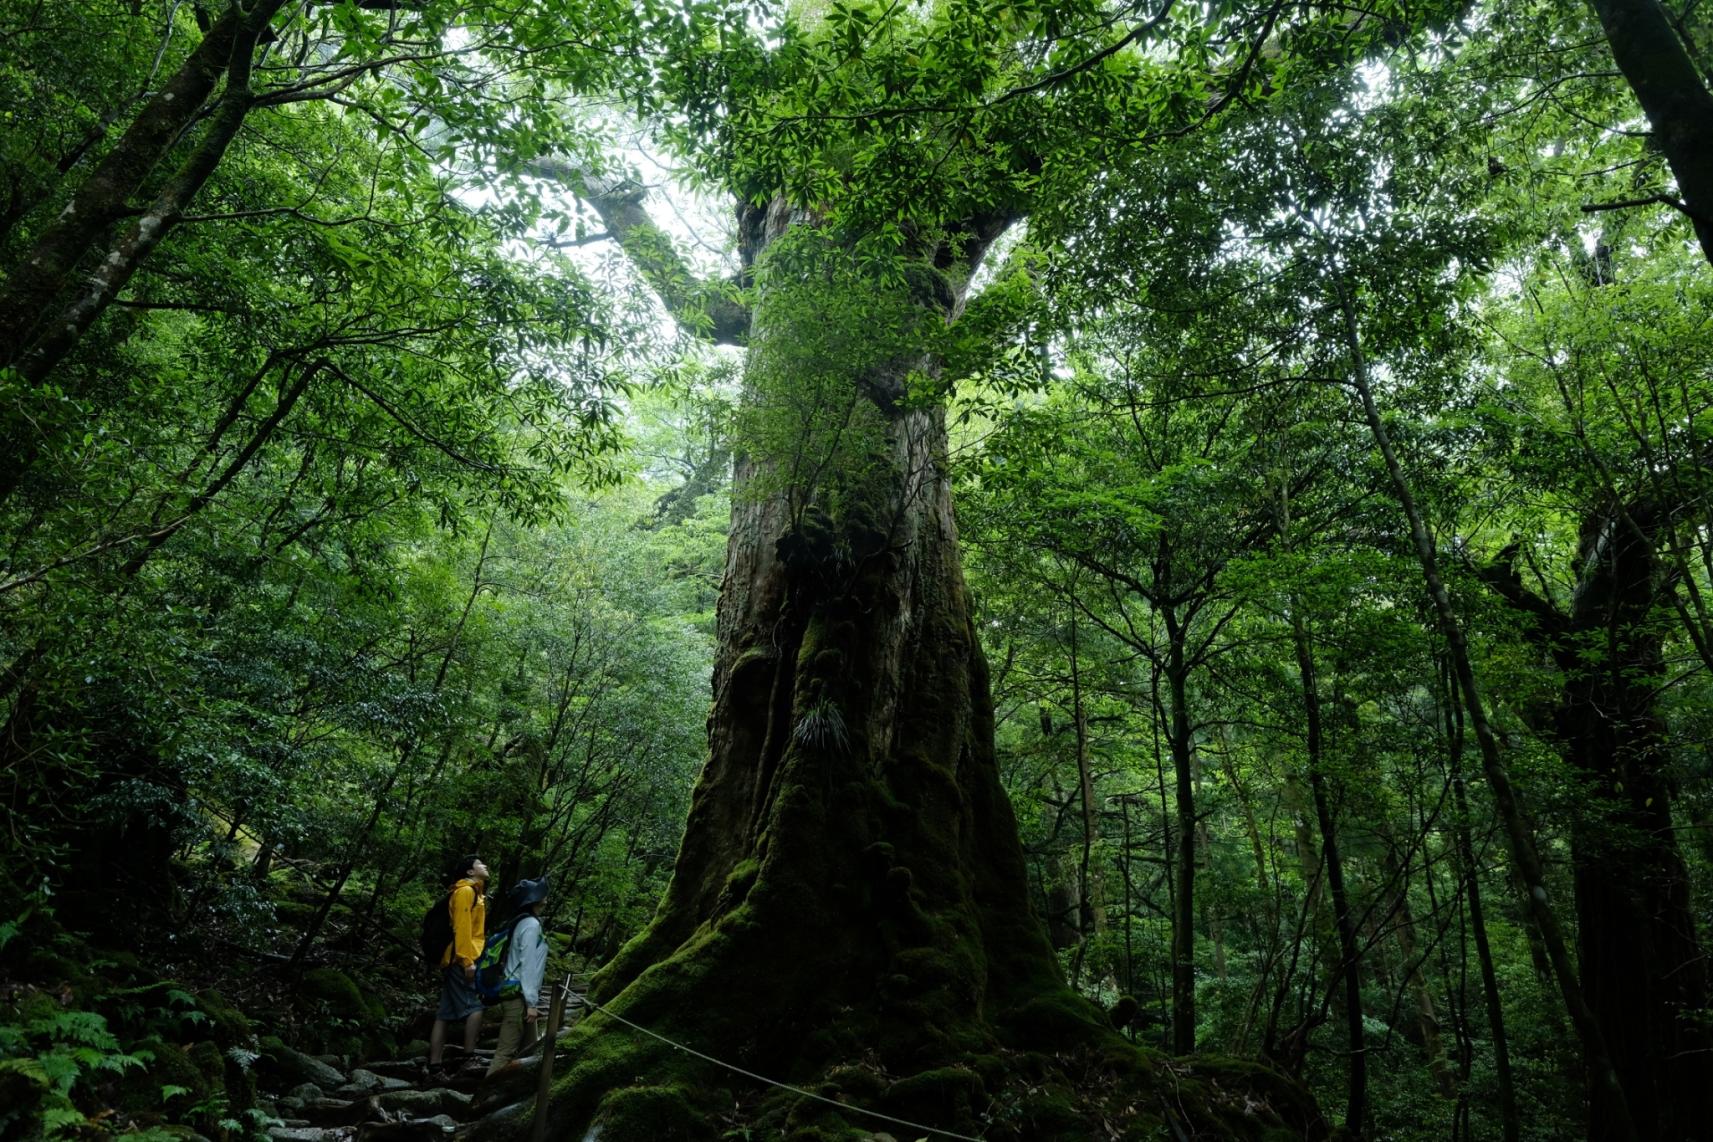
column 549, row 1047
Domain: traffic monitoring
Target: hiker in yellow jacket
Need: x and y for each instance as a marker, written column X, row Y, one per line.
column 458, row 999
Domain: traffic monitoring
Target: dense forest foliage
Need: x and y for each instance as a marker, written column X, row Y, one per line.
column 1301, row 727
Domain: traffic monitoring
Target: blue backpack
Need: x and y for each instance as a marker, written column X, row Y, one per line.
column 491, row 982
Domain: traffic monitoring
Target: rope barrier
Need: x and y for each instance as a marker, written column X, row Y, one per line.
column 585, row 1001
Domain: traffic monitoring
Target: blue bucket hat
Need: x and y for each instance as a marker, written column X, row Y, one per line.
column 528, row 892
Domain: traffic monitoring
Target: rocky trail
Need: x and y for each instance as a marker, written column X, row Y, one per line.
column 320, row 1098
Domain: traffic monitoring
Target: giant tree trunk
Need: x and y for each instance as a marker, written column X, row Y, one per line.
column 1642, row 966
column 850, row 877
column 849, row 909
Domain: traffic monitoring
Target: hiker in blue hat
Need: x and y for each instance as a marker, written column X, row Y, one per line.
column 526, row 963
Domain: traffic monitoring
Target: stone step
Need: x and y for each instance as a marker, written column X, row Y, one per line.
column 408, row 1070
column 415, row 1130
column 366, row 1082
column 309, row 1133
column 337, row 1112
column 423, row 1103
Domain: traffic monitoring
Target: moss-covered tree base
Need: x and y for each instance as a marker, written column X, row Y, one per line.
column 621, row 1085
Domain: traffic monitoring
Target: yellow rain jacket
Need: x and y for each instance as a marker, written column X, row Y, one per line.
column 469, row 911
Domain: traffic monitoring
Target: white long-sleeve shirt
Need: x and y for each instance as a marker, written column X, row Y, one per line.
column 526, row 959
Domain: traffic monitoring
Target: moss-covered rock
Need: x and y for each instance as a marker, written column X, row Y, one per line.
column 1251, row 1097
column 295, row 914
column 1051, row 1112
column 180, row 1131
column 946, row 1096
column 285, row 1066
column 226, row 1024
column 856, row 1081
column 342, row 1019
column 651, row 1114
column 1056, row 1019
column 333, row 990
column 231, row 1088
column 172, row 1078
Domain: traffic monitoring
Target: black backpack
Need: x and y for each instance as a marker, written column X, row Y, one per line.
column 437, row 930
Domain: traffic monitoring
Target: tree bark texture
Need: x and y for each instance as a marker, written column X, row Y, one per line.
column 58, row 289
column 1642, row 967
column 850, row 877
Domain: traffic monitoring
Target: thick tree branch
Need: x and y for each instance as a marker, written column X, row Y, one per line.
column 1671, row 92
column 1502, row 578
column 42, row 273
column 705, row 308
column 1628, row 203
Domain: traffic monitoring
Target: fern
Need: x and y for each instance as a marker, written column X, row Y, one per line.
column 83, row 1027
column 59, row 1049
column 56, row 1119
column 61, row 1069
column 31, row 1069
column 54, row 1115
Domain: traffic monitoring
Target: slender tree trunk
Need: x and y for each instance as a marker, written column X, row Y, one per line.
column 1350, row 956
column 1427, row 1017
column 288, row 399
column 1251, row 827
column 1089, row 903
column 1129, row 900
column 1211, row 916
column 264, row 862
column 359, row 840
column 347, row 866
column 1183, row 904
column 1510, row 1119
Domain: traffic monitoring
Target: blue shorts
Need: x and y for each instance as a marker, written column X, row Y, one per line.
column 458, row 998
